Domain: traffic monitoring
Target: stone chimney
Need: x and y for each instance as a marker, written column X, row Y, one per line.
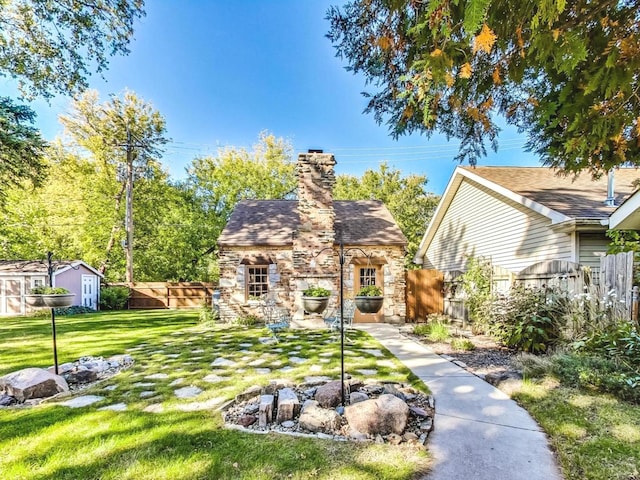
column 316, row 179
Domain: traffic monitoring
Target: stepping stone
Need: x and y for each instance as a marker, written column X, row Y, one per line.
column 213, row 378
column 386, row 363
column 196, row 358
column 156, row 352
column 144, row 384
column 246, row 351
column 187, row 392
column 297, row 360
column 154, row 408
column 325, row 360
column 110, row 388
column 257, row 362
column 172, row 355
column 116, row 407
column 197, row 406
column 246, row 358
column 82, row 401
column 197, row 350
column 157, row 376
column 374, row 351
column 263, row 371
column 367, row 372
column 314, row 379
column 245, row 345
column 177, row 381
column 223, row 362
column 164, row 367
column 292, row 337
column 277, row 350
column 326, row 354
column 147, row 394
column 267, row 340
column 286, row 369
column 315, row 368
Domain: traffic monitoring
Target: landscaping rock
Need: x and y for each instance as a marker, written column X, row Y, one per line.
column 32, row 383
column 418, row 412
column 187, row 392
column 288, row 405
column 265, row 410
column 392, row 390
column 317, row 419
column 384, row 415
column 7, row 400
column 355, row 397
column 251, row 392
column 247, row 420
column 329, row 395
column 81, row 376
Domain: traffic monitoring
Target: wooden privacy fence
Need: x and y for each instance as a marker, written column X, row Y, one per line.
column 150, row 295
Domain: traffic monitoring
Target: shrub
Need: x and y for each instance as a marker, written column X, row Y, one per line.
column 434, row 331
column 206, row 314
column 113, row 298
column 316, row 292
column 74, row 310
column 248, row 320
column 476, row 285
column 462, row 344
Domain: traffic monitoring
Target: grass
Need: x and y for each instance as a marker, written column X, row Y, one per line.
column 433, row 331
column 51, row 441
column 595, row 435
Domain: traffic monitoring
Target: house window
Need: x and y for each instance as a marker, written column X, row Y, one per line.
column 257, row 281
column 367, row 277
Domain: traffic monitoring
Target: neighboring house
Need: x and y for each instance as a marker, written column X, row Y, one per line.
column 278, row 248
column 519, row 216
column 18, row 277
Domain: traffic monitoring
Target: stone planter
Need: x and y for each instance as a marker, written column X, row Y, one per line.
column 315, row 304
column 51, row 301
column 369, row 304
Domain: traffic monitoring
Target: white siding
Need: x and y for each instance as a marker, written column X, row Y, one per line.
column 589, row 246
column 478, row 222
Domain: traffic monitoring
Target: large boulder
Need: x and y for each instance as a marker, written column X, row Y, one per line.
column 317, row 419
column 381, row 416
column 32, row 383
column 328, row 395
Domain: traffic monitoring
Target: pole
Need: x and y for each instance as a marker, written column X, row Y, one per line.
column 342, row 323
column 53, row 313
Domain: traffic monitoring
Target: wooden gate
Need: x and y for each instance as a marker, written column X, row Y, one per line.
column 424, row 294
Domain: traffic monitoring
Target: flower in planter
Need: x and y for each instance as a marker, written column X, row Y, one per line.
column 316, row 292
column 369, row 291
column 49, row 291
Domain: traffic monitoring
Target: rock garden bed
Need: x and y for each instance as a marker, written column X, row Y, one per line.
column 377, row 412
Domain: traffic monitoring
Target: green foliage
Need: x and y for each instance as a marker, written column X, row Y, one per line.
column 437, row 331
column 462, row 344
column 564, row 72
column 21, row 146
column 476, row 285
column 74, row 310
column 315, row 291
column 114, row 298
column 406, row 198
column 369, row 291
column 50, row 46
column 49, row 291
column 248, row 320
column 207, row 315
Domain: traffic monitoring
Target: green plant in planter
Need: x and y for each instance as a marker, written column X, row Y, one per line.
column 370, row 291
column 49, row 291
column 316, row 292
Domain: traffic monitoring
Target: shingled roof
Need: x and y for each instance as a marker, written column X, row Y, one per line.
column 579, row 197
column 273, row 223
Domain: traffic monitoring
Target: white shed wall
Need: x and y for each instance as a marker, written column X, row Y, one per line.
column 479, row 222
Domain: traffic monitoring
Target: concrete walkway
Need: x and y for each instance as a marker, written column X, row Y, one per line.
column 479, row 433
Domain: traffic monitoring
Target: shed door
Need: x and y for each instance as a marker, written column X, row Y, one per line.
column 89, row 291
column 11, row 296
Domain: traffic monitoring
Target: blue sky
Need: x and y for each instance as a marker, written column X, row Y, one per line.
column 222, row 71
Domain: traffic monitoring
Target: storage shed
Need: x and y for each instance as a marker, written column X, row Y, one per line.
column 18, row 277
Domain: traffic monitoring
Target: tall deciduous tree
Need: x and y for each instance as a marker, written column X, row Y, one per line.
column 406, row 198
column 127, row 133
column 564, row 71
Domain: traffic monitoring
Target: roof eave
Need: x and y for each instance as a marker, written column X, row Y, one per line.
column 581, row 225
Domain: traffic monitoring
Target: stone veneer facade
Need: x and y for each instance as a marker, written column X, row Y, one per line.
column 313, row 258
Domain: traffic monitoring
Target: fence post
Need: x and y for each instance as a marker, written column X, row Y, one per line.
column 634, row 304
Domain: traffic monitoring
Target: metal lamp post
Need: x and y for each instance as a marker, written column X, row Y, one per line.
column 53, row 313
column 341, row 257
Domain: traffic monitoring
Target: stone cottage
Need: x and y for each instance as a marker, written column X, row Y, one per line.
column 278, row 248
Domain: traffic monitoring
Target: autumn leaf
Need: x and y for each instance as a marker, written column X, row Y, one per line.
column 497, row 80
column 449, row 79
column 436, row 53
column 484, row 40
column 384, row 43
column 466, row 70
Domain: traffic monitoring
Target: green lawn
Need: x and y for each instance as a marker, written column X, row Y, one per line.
column 596, row 436
column 55, row 442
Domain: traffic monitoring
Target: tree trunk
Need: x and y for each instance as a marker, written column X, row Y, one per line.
column 114, row 231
